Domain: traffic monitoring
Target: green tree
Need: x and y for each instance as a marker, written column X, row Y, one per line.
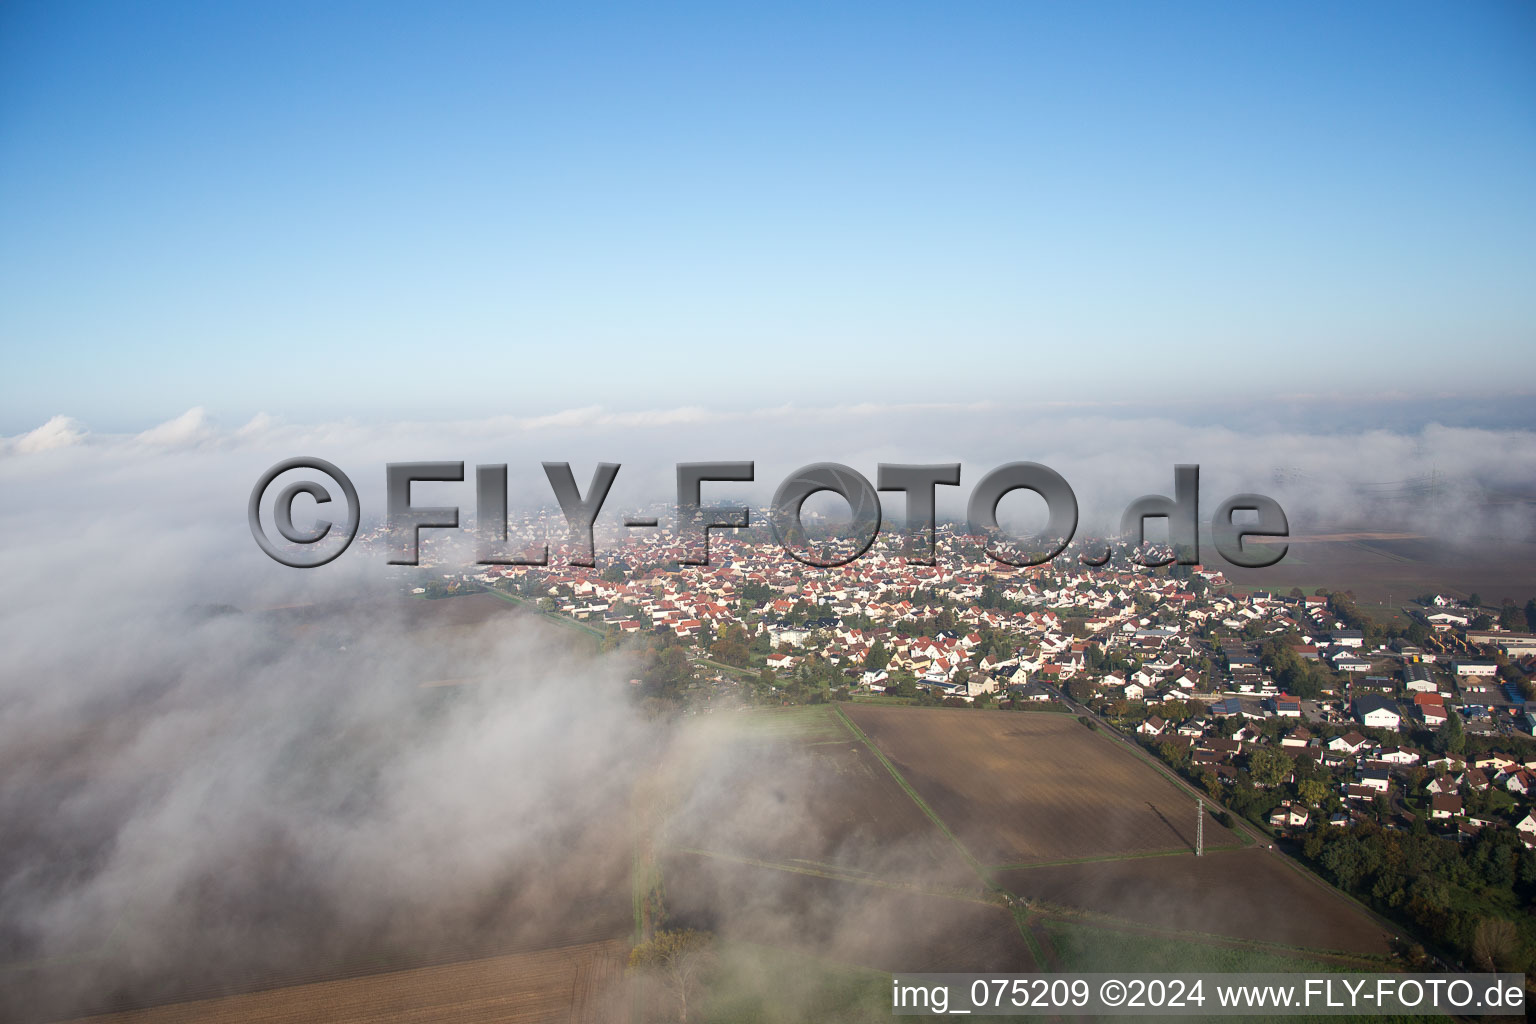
column 731, row 648
column 1268, row 767
column 1449, row 738
column 1312, row 792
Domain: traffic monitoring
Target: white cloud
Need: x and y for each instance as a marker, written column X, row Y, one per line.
column 59, row 432
column 191, row 427
column 257, row 426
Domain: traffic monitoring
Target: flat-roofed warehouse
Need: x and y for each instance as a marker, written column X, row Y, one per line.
column 1513, row 644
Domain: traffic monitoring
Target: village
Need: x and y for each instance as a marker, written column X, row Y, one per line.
column 1295, row 710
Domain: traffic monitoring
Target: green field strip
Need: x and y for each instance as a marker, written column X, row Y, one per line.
column 555, row 617
column 736, row 670
column 1037, row 931
column 816, row 961
column 807, row 722
column 1098, row 921
column 1036, row 952
column 879, row 700
column 636, row 896
column 858, row 993
column 922, row 805
column 817, row 870
column 1140, row 855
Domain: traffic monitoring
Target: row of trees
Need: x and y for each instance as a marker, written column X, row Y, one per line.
column 1476, row 898
column 1510, row 615
column 1291, row 672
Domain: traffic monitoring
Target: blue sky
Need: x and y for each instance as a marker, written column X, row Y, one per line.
column 386, row 212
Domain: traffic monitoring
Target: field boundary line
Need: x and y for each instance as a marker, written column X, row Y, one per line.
column 858, row 733
column 555, row 617
column 1021, row 922
column 736, row 670
column 811, row 959
column 815, row 870
column 1109, row 857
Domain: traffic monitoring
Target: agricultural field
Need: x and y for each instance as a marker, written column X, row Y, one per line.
column 864, row 839
column 765, row 985
column 888, row 928
column 792, row 856
column 580, row 984
column 795, row 835
column 1250, row 894
column 797, row 788
column 1031, row 789
column 1081, row 945
column 1390, row 569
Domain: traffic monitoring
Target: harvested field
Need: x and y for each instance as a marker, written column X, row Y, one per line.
column 798, row 787
column 1243, row 894
column 1387, row 569
column 1024, row 789
column 872, row 926
column 576, row 984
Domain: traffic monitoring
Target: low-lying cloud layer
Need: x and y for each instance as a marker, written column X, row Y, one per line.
column 1456, row 477
column 199, row 796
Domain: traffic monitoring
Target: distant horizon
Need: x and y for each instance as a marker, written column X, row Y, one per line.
column 1512, row 409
